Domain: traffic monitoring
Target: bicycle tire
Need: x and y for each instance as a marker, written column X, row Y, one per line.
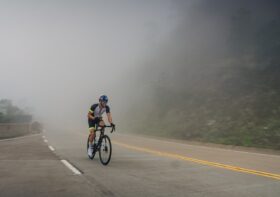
column 105, row 148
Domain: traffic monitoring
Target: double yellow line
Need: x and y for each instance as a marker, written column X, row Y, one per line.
column 181, row 157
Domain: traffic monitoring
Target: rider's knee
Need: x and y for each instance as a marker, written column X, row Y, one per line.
column 91, row 130
column 102, row 123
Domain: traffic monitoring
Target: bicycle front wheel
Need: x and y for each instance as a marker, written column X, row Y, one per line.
column 105, row 150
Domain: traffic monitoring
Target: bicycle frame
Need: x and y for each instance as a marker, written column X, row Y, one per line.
column 102, row 133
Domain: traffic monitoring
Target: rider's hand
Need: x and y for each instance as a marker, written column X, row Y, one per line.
column 113, row 127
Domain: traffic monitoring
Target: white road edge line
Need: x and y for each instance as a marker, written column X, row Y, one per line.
column 46, row 141
column 51, row 148
column 67, row 164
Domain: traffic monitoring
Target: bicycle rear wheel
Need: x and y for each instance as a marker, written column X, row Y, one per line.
column 105, row 150
column 93, row 153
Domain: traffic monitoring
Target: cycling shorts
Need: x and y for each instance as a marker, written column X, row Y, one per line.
column 93, row 123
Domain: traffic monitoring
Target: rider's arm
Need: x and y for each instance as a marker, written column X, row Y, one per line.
column 109, row 116
column 91, row 111
column 90, row 115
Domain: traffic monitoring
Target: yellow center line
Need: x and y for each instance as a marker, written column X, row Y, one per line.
column 204, row 162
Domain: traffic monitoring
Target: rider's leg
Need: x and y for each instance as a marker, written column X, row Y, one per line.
column 91, row 138
column 91, row 134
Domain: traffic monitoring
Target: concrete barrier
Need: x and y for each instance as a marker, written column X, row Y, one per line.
column 10, row 130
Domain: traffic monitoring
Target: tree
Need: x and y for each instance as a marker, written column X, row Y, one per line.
column 10, row 113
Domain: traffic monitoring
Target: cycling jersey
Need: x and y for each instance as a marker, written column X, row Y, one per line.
column 97, row 111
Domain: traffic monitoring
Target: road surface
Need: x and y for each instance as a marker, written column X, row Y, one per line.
column 140, row 166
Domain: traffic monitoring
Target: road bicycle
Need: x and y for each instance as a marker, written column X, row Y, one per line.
column 102, row 144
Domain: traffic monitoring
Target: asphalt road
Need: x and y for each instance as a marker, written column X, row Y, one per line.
column 140, row 166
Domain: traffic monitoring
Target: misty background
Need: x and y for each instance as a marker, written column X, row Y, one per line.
column 200, row 70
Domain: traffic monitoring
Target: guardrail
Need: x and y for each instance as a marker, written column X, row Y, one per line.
column 11, row 130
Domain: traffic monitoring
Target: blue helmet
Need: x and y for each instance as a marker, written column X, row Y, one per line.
column 103, row 98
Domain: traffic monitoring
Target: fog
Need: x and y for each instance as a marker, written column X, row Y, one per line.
column 57, row 57
column 214, row 74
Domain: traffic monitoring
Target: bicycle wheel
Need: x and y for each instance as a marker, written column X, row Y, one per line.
column 105, row 150
column 93, row 153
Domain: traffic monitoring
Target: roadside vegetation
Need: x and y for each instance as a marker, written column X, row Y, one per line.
column 9, row 113
column 221, row 85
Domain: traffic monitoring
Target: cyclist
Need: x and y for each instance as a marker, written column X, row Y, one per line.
column 95, row 119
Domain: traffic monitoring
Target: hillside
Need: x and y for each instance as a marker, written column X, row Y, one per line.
column 216, row 79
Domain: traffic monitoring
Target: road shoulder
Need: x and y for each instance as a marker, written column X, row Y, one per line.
column 29, row 168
